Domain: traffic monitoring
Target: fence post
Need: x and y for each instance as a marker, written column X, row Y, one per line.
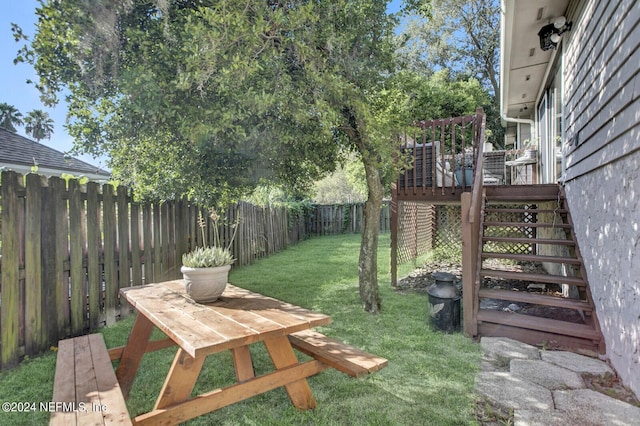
column 394, row 235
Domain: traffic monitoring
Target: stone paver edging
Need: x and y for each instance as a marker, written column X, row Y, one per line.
column 544, row 388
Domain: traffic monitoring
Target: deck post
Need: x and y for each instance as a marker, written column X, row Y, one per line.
column 394, row 235
column 469, row 262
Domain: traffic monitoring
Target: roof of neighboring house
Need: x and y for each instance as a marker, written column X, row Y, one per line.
column 23, row 153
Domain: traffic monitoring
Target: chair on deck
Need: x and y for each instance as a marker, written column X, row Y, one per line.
column 443, row 174
column 493, row 168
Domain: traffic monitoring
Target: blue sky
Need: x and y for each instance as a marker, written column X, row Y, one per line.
column 14, row 89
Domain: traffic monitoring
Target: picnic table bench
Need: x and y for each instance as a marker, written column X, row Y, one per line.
column 345, row 358
column 85, row 390
column 238, row 319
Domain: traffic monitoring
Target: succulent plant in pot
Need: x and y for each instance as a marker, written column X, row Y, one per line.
column 207, row 257
column 205, row 270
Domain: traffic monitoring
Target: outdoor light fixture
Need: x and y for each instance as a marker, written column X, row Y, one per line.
column 550, row 34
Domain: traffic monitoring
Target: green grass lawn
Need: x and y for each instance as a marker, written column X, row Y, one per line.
column 429, row 380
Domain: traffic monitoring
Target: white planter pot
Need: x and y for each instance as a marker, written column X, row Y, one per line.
column 205, row 284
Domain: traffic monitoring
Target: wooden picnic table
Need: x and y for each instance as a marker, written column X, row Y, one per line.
column 238, row 319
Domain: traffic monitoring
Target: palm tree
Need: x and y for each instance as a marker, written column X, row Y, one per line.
column 9, row 117
column 39, row 125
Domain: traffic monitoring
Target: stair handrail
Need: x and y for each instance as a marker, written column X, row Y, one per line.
column 471, row 205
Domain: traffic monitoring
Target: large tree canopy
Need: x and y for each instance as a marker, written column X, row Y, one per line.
column 202, row 97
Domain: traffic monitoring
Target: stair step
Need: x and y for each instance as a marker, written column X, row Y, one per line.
column 535, row 299
column 509, row 210
column 523, row 193
column 528, row 224
column 541, row 278
column 531, row 258
column 539, row 323
column 529, row 240
column 522, row 199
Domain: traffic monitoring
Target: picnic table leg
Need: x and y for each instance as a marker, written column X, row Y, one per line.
column 180, row 380
column 132, row 353
column 282, row 355
column 243, row 364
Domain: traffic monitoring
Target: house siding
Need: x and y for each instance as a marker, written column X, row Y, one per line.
column 602, row 127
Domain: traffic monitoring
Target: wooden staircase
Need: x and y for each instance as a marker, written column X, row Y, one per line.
column 522, row 228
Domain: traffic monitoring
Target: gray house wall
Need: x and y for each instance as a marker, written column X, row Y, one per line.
column 601, row 97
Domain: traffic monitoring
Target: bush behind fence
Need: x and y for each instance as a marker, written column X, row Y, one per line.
column 64, row 247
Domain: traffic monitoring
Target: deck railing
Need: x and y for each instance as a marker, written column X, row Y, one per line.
column 443, row 155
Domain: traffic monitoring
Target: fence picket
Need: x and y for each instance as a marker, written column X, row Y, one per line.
column 9, row 316
column 33, row 265
column 136, row 263
column 156, row 244
column 77, row 293
column 94, row 269
column 110, row 272
column 48, row 253
column 63, row 319
column 122, row 218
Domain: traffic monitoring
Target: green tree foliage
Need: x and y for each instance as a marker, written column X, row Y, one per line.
column 341, row 186
column 38, row 125
column 10, row 117
column 204, row 97
column 440, row 95
column 462, row 36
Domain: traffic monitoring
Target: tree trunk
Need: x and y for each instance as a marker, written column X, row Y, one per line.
column 368, row 263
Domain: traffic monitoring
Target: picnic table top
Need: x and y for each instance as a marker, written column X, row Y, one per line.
column 239, row 317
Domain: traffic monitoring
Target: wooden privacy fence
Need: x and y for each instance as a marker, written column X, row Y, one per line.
column 344, row 218
column 67, row 249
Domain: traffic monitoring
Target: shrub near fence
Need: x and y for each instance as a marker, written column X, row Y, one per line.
column 64, row 246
